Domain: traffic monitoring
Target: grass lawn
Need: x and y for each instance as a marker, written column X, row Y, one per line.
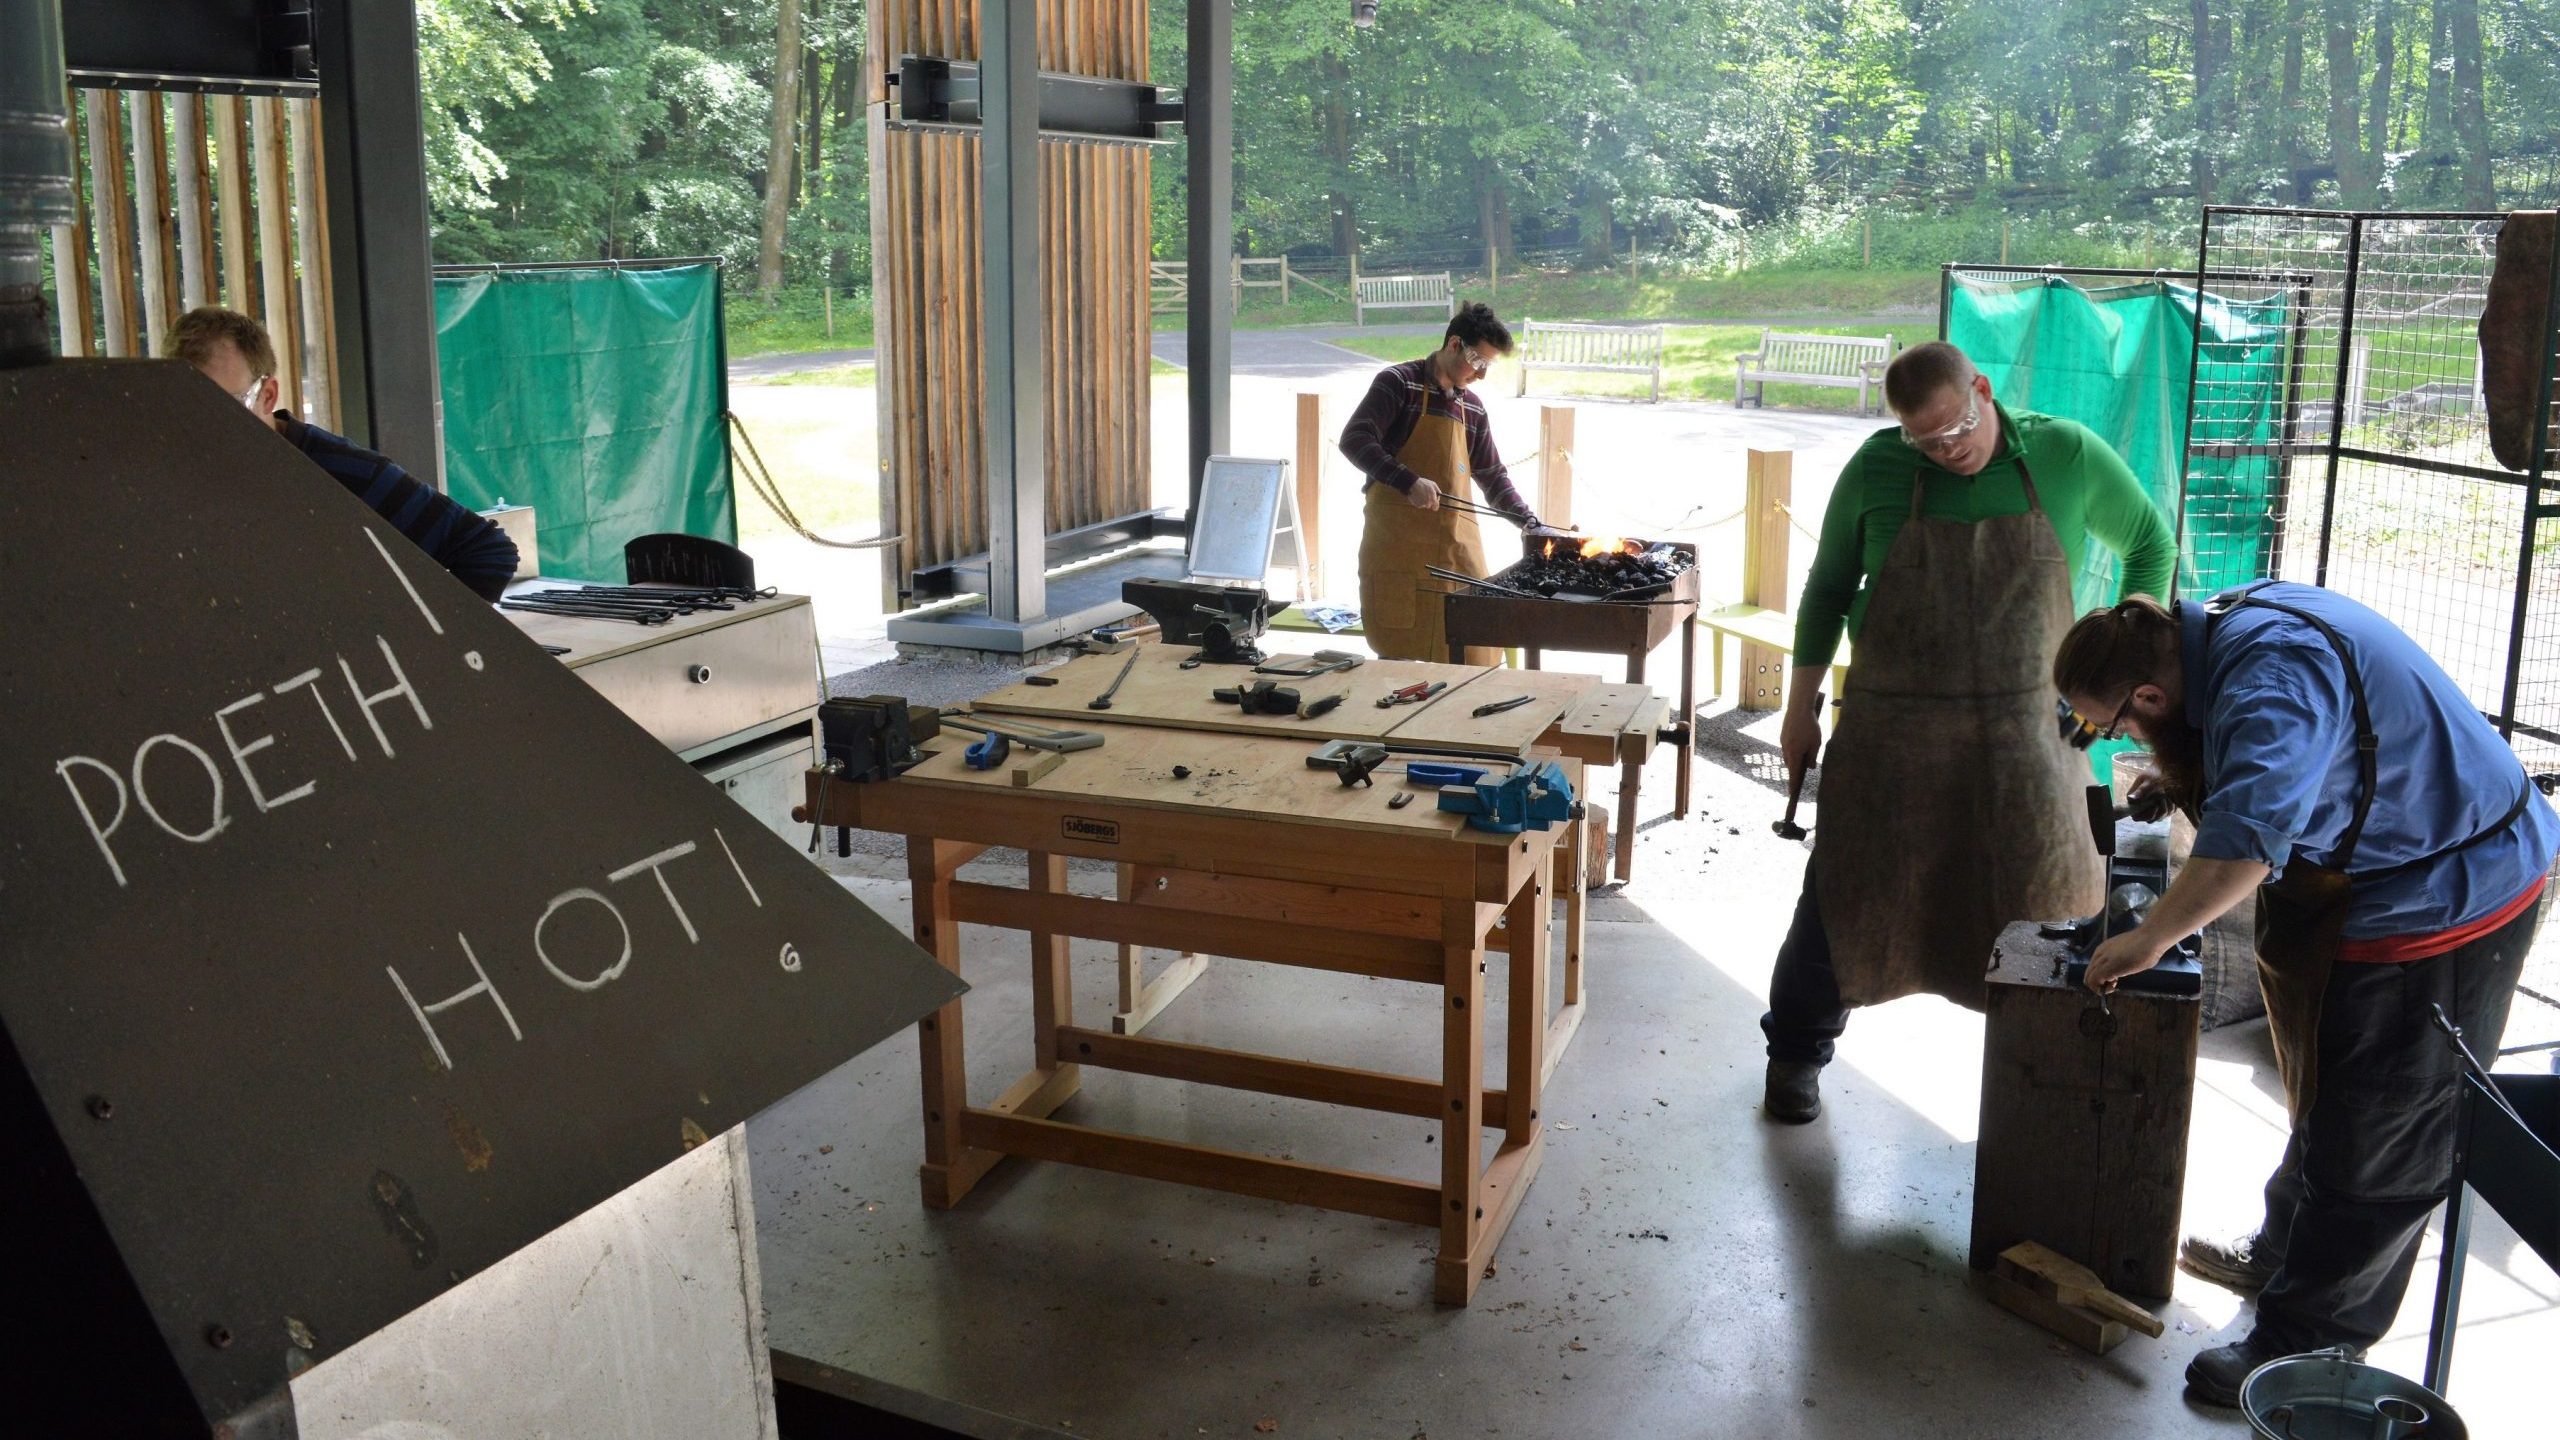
column 818, row 438
column 1697, row 365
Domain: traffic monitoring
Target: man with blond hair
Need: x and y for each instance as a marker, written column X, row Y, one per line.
column 233, row 351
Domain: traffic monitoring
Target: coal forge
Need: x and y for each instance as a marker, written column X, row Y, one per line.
column 1582, row 567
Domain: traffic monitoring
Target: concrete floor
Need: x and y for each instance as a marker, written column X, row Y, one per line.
column 1680, row 1267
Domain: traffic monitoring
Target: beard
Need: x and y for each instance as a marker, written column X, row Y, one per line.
column 2177, row 750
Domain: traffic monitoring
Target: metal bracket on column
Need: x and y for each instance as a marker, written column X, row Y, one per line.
column 937, row 93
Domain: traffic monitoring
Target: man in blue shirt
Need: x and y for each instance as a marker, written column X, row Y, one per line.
column 2324, row 756
column 233, row 351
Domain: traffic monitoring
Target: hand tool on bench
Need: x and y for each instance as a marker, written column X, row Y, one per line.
column 1350, row 759
column 1413, row 694
column 1324, row 662
column 1262, row 697
column 1103, row 700
column 1314, row 708
column 988, row 753
column 2058, row 1277
column 1353, row 760
column 1498, row 706
column 1061, row 741
column 1226, row 639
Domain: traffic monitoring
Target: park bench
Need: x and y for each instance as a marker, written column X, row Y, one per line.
column 1402, row 292
column 1851, row 362
column 1772, row 629
column 1608, row 349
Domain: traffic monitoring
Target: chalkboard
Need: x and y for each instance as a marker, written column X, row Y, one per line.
column 347, row 941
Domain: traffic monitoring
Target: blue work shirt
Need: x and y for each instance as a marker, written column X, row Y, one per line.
column 2271, row 696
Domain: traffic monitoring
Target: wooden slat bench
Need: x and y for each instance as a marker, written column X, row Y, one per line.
column 1850, row 362
column 1403, row 292
column 1606, row 349
column 1752, row 625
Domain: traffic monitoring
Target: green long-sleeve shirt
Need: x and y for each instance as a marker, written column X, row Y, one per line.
column 2087, row 491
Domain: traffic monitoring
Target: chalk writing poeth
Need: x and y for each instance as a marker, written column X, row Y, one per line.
column 186, row 795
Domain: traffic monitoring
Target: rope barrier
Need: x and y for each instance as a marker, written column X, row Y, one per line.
column 760, row 479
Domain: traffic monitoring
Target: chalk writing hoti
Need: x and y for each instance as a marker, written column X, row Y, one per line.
column 1272, row 862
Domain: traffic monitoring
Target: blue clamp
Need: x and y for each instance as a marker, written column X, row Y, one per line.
column 988, row 753
column 1530, row 798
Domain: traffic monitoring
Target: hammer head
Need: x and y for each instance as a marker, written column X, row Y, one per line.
column 1788, row 829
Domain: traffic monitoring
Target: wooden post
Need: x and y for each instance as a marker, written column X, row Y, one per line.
column 1770, row 487
column 1555, row 465
column 74, row 302
column 1492, row 271
column 1310, row 492
column 275, row 246
column 194, row 201
column 311, row 270
column 231, row 208
column 1284, row 282
column 1866, row 241
column 111, row 220
column 830, row 292
column 159, row 238
column 2004, row 242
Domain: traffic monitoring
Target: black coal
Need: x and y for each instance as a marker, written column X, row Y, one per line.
column 1635, row 570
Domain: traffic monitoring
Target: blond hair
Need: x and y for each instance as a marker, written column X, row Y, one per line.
column 200, row 331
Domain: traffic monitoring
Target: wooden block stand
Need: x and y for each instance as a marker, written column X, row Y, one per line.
column 2083, row 1144
column 1287, row 868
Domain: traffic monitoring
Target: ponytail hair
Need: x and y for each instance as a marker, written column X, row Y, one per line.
column 2111, row 650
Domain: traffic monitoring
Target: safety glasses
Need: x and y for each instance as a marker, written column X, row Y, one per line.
column 1953, row 434
column 1476, row 361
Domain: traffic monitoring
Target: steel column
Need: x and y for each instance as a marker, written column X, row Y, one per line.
column 1009, row 170
column 373, row 147
column 1209, row 126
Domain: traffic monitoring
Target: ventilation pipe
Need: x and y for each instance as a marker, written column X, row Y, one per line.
column 36, row 190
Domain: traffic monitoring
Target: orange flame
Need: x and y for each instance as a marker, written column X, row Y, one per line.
column 1599, row 545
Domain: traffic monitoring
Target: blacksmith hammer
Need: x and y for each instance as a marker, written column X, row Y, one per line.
column 1788, row 829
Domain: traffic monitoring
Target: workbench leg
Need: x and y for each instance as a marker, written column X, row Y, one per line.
column 1142, row 1000
column 950, row 1167
column 1630, row 785
column 1718, row 643
column 1524, row 1062
column 1461, row 1099
column 1053, row 995
column 1532, row 656
column 1688, row 723
column 1571, row 872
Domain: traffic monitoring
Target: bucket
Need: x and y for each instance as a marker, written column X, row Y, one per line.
column 2326, row 1396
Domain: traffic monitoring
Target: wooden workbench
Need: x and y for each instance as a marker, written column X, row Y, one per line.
column 1263, row 858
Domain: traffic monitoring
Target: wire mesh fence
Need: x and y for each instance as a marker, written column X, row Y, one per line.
column 2377, row 479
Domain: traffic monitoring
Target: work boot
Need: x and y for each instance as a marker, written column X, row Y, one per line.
column 1795, row 1091
column 2214, row 1377
column 2234, row 1264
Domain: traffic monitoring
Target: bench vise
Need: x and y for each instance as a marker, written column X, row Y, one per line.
column 1532, row 797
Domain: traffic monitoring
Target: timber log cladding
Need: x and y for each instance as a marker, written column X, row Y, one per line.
column 926, row 288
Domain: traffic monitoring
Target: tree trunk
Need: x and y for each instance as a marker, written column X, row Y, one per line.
column 848, row 122
column 777, row 169
column 2289, row 105
column 2346, row 147
column 1337, row 153
column 2436, row 131
column 2470, row 107
column 1597, row 222
column 1505, row 244
column 813, row 89
column 2205, row 105
column 2377, row 125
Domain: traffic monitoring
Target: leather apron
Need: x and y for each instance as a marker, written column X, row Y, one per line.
column 1401, row 613
column 2302, row 916
column 1952, row 807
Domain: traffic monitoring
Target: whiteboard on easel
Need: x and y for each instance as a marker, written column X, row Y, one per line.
column 1238, row 515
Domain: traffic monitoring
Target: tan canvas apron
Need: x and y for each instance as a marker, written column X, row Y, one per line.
column 1951, row 806
column 1400, row 608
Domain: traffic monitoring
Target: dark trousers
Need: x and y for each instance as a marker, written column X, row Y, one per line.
column 2374, row 1158
column 1805, row 1014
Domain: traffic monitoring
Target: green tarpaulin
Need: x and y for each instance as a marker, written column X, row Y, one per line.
column 2116, row 359
column 596, row 395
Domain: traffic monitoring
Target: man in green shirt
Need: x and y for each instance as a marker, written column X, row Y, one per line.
column 1977, row 461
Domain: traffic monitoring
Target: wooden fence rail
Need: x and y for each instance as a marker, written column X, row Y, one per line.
column 200, row 200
